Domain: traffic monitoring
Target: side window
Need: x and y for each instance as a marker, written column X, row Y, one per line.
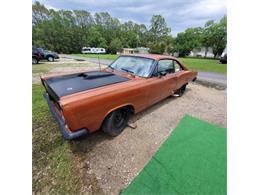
column 166, row 66
column 177, row 67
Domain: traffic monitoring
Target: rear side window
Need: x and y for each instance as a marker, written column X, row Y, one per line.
column 177, row 67
column 166, row 66
column 40, row 50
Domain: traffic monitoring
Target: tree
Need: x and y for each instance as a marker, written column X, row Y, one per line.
column 207, row 36
column 215, row 35
column 115, row 46
column 39, row 13
column 187, row 41
column 68, row 31
column 130, row 34
column 95, row 39
column 220, row 37
column 159, row 27
column 157, row 35
column 157, row 47
column 83, row 19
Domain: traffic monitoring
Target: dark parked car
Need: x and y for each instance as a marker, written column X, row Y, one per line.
column 48, row 55
column 36, row 55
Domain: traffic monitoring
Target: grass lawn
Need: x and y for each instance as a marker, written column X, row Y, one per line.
column 206, row 65
column 53, row 165
column 56, row 166
column 101, row 56
column 56, row 163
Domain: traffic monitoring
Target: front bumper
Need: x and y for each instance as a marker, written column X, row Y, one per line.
column 62, row 125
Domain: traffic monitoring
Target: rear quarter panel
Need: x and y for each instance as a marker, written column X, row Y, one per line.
column 89, row 109
column 184, row 77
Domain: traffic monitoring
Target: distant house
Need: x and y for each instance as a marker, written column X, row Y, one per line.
column 128, row 51
column 201, row 52
column 142, row 50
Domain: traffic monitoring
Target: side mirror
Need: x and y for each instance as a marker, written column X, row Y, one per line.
column 163, row 73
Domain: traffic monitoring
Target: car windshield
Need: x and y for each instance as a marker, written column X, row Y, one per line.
column 134, row 65
column 40, row 50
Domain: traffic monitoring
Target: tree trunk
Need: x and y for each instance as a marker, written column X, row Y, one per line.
column 206, row 51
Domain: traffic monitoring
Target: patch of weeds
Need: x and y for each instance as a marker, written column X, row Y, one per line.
column 54, row 168
column 39, row 68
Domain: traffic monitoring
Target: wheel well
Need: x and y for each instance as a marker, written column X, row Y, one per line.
column 130, row 107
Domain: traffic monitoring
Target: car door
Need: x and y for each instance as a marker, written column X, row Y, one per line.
column 162, row 82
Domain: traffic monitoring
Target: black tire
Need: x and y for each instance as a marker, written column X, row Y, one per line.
column 34, row 61
column 50, row 58
column 180, row 91
column 116, row 121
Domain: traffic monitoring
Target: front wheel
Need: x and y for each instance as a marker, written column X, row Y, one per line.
column 34, row 61
column 116, row 121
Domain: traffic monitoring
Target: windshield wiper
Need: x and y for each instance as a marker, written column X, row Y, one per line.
column 109, row 66
column 126, row 70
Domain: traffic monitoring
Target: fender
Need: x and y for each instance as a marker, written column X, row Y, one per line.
column 120, row 106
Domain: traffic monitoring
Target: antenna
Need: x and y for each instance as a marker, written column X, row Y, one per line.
column 99, row 63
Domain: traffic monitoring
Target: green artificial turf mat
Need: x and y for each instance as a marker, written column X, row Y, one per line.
column 193, row 160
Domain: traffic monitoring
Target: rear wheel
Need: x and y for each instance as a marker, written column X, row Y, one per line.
column 116, row 121
column 50, row 58
column 180, row 91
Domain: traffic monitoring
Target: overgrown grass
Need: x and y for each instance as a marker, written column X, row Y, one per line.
column 101, row 56
column 53, row 163
column 207, row 65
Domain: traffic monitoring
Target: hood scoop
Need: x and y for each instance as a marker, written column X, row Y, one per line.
column 94, row 75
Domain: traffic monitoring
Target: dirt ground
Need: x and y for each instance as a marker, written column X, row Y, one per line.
column 110, row 164
column 116, row 161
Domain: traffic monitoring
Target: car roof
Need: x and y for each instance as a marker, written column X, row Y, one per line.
column 152, row 56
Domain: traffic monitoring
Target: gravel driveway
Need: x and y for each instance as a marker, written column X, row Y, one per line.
column 114, row 162
column 110, row 164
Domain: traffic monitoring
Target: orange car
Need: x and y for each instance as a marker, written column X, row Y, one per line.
column 84, row 102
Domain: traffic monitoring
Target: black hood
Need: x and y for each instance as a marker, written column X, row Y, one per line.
column 69, row 84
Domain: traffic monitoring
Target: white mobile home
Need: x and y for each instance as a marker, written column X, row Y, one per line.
column 93, row 50
column 201, row 52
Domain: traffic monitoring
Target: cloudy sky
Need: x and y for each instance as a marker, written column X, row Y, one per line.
column 179, row 14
